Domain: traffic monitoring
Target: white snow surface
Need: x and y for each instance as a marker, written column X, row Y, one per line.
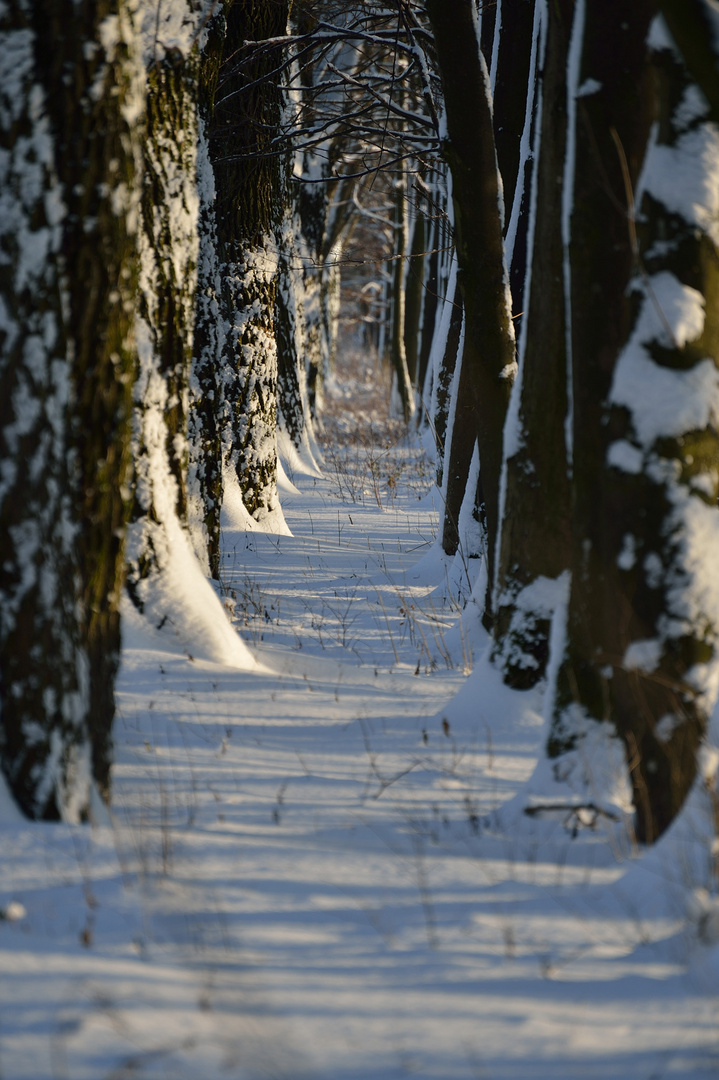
column 303, row 874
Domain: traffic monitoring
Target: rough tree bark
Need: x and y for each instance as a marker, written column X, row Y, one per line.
column 643, row 630
column 207, row 409
column 291, row 321
column 248, row 108
column 67, row 280
column 289, row 335
column 168, row 243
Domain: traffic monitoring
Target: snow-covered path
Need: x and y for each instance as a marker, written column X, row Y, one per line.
column 298, row 882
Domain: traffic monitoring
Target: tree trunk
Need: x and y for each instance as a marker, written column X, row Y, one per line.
column 514, row 98
column 487, row 21
column 312, row 209
column 453, row 313
column 398, row 355
column 290, row 372
column 166, row 313
column 430, row 304
column 67, row 359
column 458, row 459
column 692, row 24
column 414, row 290
column 249, row 210
column 488, row 360
column 290, row 317
column 536, row 526
column 291, row 336
column 207, row 410
column 643, row 631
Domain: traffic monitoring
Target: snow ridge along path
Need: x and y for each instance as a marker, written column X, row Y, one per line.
column 298, row 880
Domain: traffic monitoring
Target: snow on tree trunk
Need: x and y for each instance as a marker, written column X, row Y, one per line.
column 67, row 275
column 166, row 569
column 397, row 352
column 325, row 223
column 515, row 61
column 449, row 341
column 441, row 264
column 330, row 278
column 693, row 25
column 291, row 336
column 461, row 440
column 166, row 310
column 430, row 306
column 312, row 197
column 312, row 201
column 414, row 293
column 206, row 405
column 536, row 522
column 435, row 284
column 487, row 17
column 289, row 320
column 168, row 559
column 642, row 643
column 488, row 360
column 514, row 101
column 338, row 214
column 249, row 210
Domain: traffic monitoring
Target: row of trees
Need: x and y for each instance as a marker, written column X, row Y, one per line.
column 584, row 210
column 139, row 358
column 179, row 192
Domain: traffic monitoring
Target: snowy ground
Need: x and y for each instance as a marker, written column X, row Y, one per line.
column 300, row 878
